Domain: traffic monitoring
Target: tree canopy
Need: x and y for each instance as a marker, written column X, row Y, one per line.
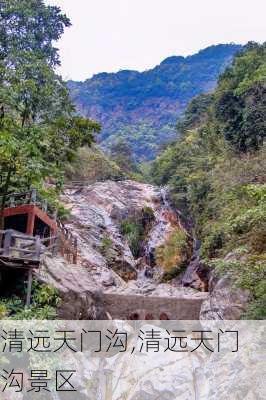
column 216, row 173
column 240, row 99
column 39, row 129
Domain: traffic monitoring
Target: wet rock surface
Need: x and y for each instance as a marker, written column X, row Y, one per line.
column 106, row 263
column 97, row 212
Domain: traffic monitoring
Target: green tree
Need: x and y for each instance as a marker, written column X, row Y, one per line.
column 122, row 155
column 38, row 126
column 240, row 99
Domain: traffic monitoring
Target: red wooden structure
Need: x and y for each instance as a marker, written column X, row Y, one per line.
column 32, row 214
column 29, row 214
column 30, row 230
column 25, row 213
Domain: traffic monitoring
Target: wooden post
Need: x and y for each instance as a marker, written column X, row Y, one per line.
column 33, row 198
column 30, row 223
column 29, row 285
column 7, row 242
column 55, row 214
column 37, row 254
column 45, row 206
column 55, row 246
column 12, row 201
column 53, row 233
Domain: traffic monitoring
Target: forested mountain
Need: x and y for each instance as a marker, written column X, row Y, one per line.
column 217, row 173
column 142, row 107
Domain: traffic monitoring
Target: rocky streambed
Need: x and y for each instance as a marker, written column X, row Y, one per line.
column 131, row 243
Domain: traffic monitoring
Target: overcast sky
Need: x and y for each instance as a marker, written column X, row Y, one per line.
column 109, row 35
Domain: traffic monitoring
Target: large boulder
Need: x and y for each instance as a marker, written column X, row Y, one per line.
column 224, row 300
column 197, row 275
column 81, row 296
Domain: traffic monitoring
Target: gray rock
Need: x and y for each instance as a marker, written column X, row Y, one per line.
column 81, row 296
column 224, row 301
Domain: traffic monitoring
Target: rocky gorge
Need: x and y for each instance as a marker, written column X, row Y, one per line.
column 136, row 259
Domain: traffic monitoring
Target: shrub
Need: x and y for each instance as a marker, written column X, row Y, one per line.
column 248, row 273
column 45, row 300
column 133, row 231
column 213, row 241
column 173, row 255
column 106, row 245
column 91, row 165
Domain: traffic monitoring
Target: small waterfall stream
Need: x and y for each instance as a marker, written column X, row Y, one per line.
column 164, row 216
column 148, row 272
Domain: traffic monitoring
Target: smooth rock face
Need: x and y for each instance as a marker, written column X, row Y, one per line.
column 96, row 214
column 107, row 266
column 81, row 297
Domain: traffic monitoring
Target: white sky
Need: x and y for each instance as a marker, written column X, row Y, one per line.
column 109, row 35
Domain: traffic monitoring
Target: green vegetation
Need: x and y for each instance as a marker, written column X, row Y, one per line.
column 248, row 274
column 173, row 255
column 133, row 231
column 216, row 172
column 105, row 246
column 45, row 300
column 141, row 108
column 122, row 155
column 135, row 228
column 39, row 130
column 240, row 100
column 91, row 165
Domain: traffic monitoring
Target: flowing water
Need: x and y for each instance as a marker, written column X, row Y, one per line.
column 149, row 273
column 165, row 218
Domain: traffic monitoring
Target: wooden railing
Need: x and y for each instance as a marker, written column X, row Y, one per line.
column 29, row 197
column 64, row 242
column 67, row 243
column 83, row 183
column 20, row 247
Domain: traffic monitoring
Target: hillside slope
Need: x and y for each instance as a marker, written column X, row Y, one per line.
column 142, row 107
column 217, row 174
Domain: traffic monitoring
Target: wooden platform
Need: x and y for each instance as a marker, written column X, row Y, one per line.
column 32, row 212
column 28, row 217
column 18, row 250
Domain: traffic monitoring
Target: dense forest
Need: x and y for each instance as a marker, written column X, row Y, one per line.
column 40, row 132
column 217, row 173
column 39, row 128
column 141, row 108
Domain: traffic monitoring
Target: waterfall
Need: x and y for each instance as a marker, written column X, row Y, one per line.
column 156, row 237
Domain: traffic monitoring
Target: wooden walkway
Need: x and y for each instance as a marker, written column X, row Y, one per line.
column 19, row 250
column 61, row 240
column 24, row 250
